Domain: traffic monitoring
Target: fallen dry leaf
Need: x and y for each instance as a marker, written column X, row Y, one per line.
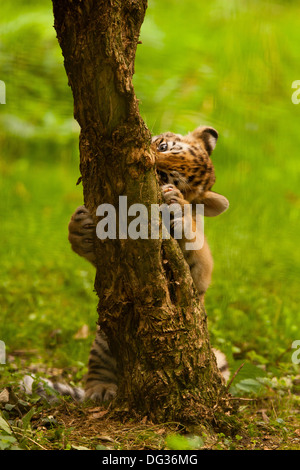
column 103, row 437
column 4, row 396
column 101, row 414
column 82, row 333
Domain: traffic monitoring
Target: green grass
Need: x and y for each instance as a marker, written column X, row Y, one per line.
column 42, row 290
column 226, row 64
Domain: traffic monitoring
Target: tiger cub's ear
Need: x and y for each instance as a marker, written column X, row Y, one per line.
column 214, row 204
column 208, row 137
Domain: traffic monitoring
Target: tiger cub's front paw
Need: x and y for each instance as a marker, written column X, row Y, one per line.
column 178, row 208
column 181, row 222
column 82, row 233
column 101, row 392
column 172, row 195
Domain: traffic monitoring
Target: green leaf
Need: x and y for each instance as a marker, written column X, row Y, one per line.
column 27, row 418
column 178, row 442
column 5, row 426
column 249, row 386
column 8, row 442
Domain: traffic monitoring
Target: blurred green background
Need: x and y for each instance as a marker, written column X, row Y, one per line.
column 225, row 63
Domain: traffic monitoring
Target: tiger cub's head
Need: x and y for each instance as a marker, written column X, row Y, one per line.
column 185, row 162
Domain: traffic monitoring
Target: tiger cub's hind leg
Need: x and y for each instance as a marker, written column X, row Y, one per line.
column 101, row 381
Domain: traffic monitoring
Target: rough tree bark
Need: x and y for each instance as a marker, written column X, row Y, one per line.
column 156, row 326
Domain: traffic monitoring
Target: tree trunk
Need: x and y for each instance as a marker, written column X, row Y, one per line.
column 155, row 323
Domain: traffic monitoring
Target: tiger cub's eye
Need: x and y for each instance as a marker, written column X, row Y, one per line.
column 162, row 147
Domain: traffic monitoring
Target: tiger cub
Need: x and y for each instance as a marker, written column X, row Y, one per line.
column 186, row 175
